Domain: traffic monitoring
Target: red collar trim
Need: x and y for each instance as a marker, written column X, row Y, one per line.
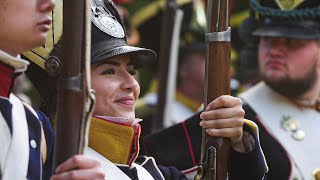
column 7, row 80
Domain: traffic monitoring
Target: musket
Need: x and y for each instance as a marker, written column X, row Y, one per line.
column 74, row 98
column 169, row 44
column 215, row 150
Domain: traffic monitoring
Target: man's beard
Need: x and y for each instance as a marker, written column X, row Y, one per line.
column 294, row 88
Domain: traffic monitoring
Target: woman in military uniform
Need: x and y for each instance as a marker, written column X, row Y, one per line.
column 114, row 131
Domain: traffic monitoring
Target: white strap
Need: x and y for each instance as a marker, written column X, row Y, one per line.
column 111, row 171
column 146, row 160
column 142, row 172
column 5, row 140
column 17, row 161
column 278, row 105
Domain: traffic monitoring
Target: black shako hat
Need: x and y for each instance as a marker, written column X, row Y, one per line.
column 297, row 19
column 108, row 36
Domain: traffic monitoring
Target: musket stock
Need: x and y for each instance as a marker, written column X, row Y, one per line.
column 215, row 150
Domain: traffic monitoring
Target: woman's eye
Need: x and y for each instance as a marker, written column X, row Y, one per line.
column 133, row 72
column 108, row 71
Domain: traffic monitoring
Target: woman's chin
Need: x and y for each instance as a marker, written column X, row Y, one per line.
column 123, row 114
column 128, row 115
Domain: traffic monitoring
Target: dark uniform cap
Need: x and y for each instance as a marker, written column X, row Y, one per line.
column 297, row 19
column 108, row 37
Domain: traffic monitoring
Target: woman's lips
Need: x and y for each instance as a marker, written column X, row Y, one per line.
column 126, row 101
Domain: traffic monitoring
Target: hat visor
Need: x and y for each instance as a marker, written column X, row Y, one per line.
column 141, row 57
column 286, row 32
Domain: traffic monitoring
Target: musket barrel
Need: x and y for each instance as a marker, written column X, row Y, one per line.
column 72, row 94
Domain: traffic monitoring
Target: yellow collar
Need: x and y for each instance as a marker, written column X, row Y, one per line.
column 115, row 141
column 191, row 104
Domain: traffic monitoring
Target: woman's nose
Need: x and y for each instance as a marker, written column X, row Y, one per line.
column 130, row 82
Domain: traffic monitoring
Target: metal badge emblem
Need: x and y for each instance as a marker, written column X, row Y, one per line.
column 288, row 4
column 292, row 125
column 106, row 23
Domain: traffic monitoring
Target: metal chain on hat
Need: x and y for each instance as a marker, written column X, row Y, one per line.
column 310, row 13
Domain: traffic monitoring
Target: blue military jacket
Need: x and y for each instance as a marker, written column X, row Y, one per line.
column 37, row 169
column 26, row 136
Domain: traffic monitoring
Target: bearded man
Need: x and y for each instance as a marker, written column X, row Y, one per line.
column 286, row 104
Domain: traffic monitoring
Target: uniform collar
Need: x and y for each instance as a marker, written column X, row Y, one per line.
column 114, row 139
column 7, row 80
column 191, row 104
column 10, row 68
column 19, row 65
